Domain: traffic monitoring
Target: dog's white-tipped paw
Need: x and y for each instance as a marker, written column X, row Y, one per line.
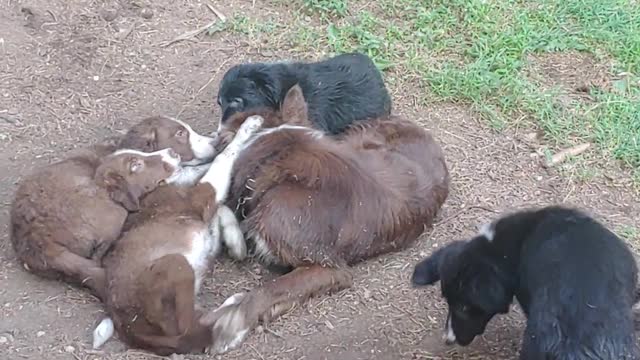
column 230, row 325
column 250, row 125
column 102, row 333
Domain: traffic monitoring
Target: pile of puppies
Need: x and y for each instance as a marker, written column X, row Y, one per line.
column 320, row 176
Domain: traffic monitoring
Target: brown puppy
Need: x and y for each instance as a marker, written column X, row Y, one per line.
column 320, row 204
column 66, row 215
column 155, row 269
column 161, row 132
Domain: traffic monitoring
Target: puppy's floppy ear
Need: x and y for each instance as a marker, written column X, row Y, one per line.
column 294, row 107
column 120, row 191
column 266, row 84
column 491, row 290
column 427, row 271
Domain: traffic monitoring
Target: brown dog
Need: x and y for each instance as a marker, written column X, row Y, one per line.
column 319, row 204
column 65, row 216
column 155, row 269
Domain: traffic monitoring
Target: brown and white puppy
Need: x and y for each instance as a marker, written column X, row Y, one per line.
column 196, row 151
column 65, row 216
column 155, row 269
column 161, row 132
column 319, row 204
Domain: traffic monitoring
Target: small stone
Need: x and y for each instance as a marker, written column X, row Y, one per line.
column 69, row 349
column 367, row 294
column 40, row 334
column 109, row 14
column 96, row 78
column 260, row 329
column 3, row 340
column 146, row 13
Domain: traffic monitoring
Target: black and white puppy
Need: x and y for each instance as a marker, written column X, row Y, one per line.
column 574, row 279
column 338, row 90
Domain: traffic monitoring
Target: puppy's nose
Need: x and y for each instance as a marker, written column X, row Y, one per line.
column 173, row 153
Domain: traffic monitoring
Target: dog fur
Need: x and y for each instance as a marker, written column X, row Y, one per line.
column 318, row 204
column 155, row 270
column 574, row 279
column 66, row 215
column 338, row 90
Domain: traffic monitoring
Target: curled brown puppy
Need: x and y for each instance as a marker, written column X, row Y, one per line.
column 155, row 269
column 65, row 216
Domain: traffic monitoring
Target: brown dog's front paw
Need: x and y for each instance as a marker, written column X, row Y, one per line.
column 231, row 324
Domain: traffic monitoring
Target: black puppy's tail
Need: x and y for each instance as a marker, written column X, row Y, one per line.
column 427, row 271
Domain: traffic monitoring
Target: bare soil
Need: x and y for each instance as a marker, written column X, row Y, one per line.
column 75, row 71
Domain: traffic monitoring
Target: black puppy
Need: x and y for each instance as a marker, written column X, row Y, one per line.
column 338, row 90
column 574, row 279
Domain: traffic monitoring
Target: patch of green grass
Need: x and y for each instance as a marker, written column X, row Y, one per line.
column 630, row 233
column 476, row 52
column 479, row 52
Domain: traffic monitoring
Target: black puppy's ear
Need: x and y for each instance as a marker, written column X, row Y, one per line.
column 294, row 107
column 267, row 85
column 427, row 271
column 491, row 291
column 122, row 192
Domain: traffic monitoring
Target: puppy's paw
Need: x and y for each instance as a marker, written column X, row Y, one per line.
column 250, row 126
column 231, row 326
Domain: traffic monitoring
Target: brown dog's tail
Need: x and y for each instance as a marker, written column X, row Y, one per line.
column 166, row 292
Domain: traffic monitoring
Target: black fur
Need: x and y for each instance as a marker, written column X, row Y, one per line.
column 574, row 279
column 338, row 90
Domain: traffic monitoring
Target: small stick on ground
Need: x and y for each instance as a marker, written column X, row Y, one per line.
column 218, row 13
column 566, row 153
column 190, row 34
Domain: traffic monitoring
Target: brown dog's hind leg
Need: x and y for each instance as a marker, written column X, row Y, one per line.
column 79, row 270
column 233, row 320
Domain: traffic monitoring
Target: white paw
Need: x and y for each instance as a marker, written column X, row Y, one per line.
column 102, row 332
column 231, row 233
column 250, row 126
column 231, row 326
column 232, row 300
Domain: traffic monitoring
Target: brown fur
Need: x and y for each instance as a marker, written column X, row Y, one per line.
column 157, row 133
column 320, row 204
column 151, row 291
column 65, row 216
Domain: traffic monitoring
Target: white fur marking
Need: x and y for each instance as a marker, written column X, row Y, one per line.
column 219, row 174
column 202, row 146
column 487, row 230
column 102, row 332
column 316, row 134
column 232, row 300
column 188, row 175
column 204, row 245
column 231, row 233
column 235, row 342
column 449, row 335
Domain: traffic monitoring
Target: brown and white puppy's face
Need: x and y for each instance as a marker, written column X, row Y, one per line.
column 160, row 132
column 293, row 113
column 129, row 174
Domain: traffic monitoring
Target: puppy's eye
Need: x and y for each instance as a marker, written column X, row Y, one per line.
column 135, row 165
column 181, row 133
column 238, row 102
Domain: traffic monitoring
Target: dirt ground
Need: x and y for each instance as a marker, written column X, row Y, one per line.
column 72, row 72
